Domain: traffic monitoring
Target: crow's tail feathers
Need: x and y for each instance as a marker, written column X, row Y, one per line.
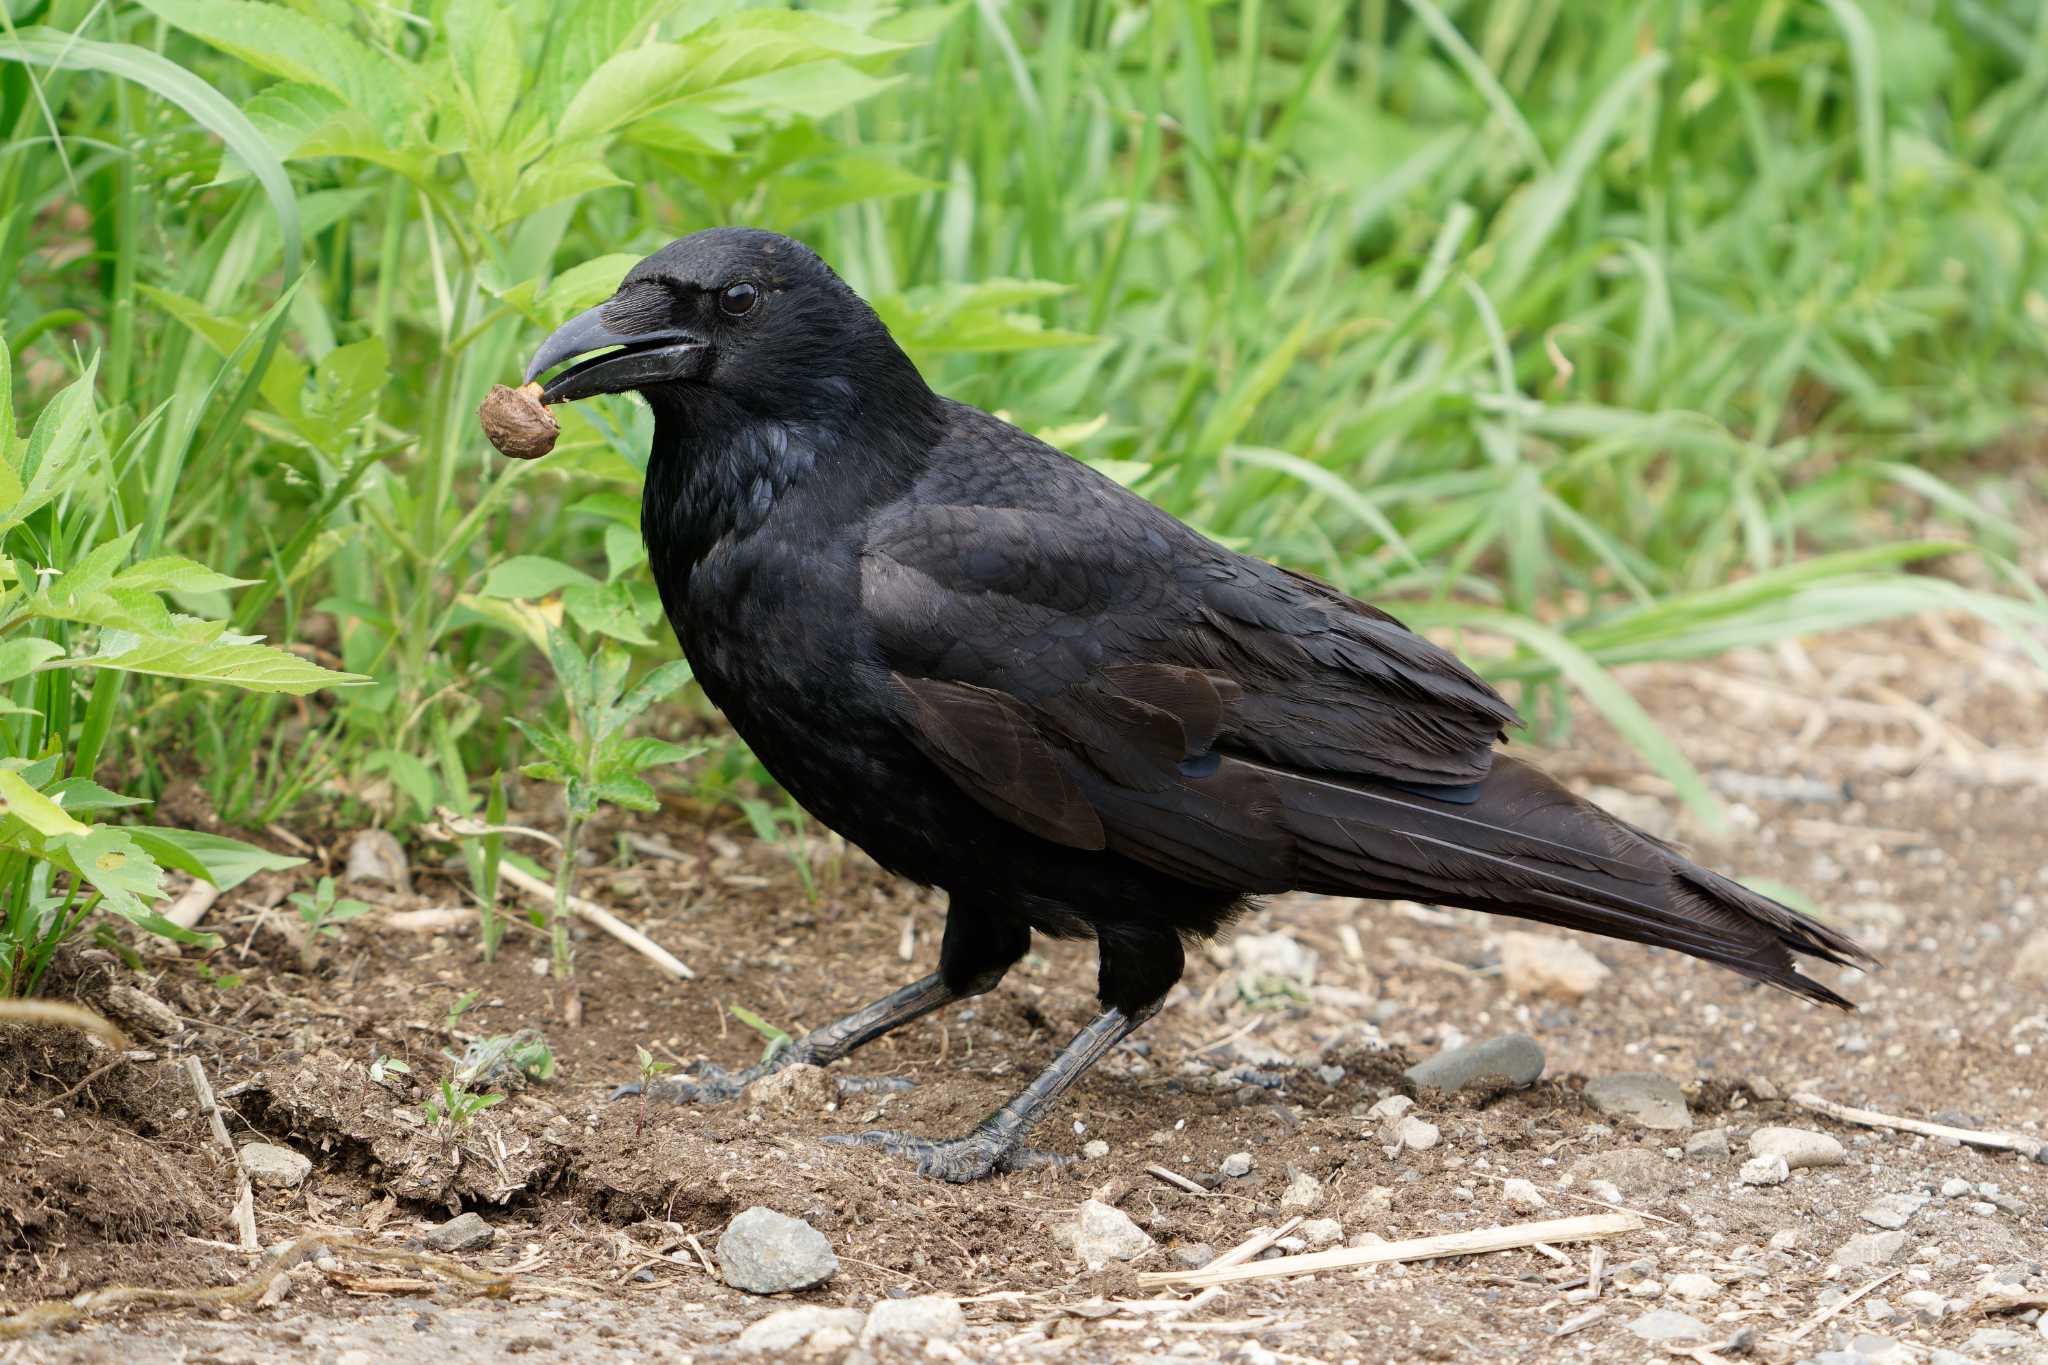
column 1516, row 843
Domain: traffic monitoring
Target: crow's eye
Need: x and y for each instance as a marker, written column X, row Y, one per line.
column 736, row 300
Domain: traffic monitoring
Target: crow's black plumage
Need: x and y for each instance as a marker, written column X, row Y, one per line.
column 1003, row 674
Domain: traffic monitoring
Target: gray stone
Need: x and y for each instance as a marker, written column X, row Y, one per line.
column 785, row 1330
column 1546, row 965
column 927, row 1317
column 1388, row 1111
column 1637, row 1170
column 1870, row 1248
column 1693, row 1285
column 1416, row 1135
column 1523, row 1195
column 1868, row 1348
column 1800, row 1147
column 1513, row 1060
column 1237, row 1165
column 1709, row 1144
column 1953, row 1188
column 1192, row 1255
column 1094, row 1150
column 1322, row 1232
column 765, row 1252
column 1893, row 1211
column 1100, row 1234
column 798, row 1088
column 1668, row 1324
column 1641, row 1097
column 374, row 855
column 1764, row 1170
column 1304, row 1193
column 464, row 1232
column 278, row 1167
column 1991, row 1339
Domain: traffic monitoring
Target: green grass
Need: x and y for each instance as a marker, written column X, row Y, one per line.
column 1614, row 334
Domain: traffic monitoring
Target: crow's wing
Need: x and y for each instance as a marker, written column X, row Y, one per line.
column 1091, row 670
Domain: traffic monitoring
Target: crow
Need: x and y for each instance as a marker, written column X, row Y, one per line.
column 1004, row 675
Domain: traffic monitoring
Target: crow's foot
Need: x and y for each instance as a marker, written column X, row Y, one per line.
column 978, row 1155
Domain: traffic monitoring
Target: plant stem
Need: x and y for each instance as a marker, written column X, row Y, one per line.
column 558, row 921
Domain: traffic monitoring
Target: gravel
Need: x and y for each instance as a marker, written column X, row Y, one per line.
column 1892, row 1211
column 1545, row 965
column 1668, row 1324
column 1641, row 1097
column 1304, row 1193
column 924, row 1318
column 1511, row 1061
column 787, row 1329
column 1416, row 1135
column 1694, row 1286
column 1709, row 1144
column 464, row 1232
column 1322, row 1232
column 1800, row 1147
column 1523, row 1195
column 765, row 1252
column 1236, row 1166
column 278, row 1167
column 1870, row 1248
column 1765, row 1170
column 1100, row 1233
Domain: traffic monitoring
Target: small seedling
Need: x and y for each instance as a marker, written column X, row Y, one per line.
column 596, row 762
column 453, row 1106
column 649, row 1070
column 322, row 914
column 384, row 1068
column 460, row 1008
column 778, row 1039
column 507, row 1059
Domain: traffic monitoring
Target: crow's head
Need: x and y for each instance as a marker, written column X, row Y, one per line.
column 732, row 315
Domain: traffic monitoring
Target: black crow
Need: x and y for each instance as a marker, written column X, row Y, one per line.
column 1003, row 674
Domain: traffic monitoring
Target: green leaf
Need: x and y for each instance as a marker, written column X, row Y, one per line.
column 215, row 858
column 171, row 573
column 18, row 658
column 739, row 47
column 82, row 794
column 20, row 801
column 110, row 859
column 299, row 47
column 624, row 551
column 532, row 576
column 232, row 660
column 606, row 609
column 408, row 773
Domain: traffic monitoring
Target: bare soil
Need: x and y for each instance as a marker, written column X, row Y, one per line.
column 1931, row 741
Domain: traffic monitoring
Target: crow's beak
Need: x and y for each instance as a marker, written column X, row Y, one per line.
column 643, row 358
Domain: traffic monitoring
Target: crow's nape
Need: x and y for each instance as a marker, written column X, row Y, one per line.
column 1519, row 844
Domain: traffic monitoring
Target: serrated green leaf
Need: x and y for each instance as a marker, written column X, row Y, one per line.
column 736, row 48
column 297, row 46
column 116, row 866
column 253, row 667
column 21, row 657
column 529, row 576
column 215, row 858
column 606, row 609
column 173, row 573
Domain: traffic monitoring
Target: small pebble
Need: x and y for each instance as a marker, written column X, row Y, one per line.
column 1416, row 1135
column 1953, row 1188
column 1710, row 1144
column 1322, row 1232
column 1237, row 1165
column 1095, row 1149
column 278, row 1167
column 1892, row 1211
column 1101, row 1233
column 1523, row 1195
column 1764, row 1170
column 465, row 1232
column 1304, row 1193
column 921, row 1318
column 1192, row 1255
column 1868, row 1249
column 1512, row 1061
column 1666, row 1324
column 1799, row 1147
column 765, row 1252
column 1693, row 1285
column 1641, row 1097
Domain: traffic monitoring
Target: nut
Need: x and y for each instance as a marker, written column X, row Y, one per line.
column 516, row 422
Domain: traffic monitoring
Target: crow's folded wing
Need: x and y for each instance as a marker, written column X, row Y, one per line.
column 1074, row 671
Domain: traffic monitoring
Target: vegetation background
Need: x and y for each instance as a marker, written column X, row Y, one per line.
column 1592, row 333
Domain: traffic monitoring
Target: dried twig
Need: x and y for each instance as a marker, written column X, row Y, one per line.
column 603, row 919
column 192, row 904
column 1415, row 1249
column 1175, row 1179
column 1870, row 1118
column 209, row 1109
column 1838, row 1305
column 53, row 1313
column 1251, row 1246
column 58, row 1012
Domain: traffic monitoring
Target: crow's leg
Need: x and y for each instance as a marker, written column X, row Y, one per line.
column 997, row 1142
column 975, row 954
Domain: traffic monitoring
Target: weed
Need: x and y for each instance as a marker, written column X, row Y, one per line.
column 322, row 914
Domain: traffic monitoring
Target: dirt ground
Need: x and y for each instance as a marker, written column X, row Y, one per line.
column 1917, row 754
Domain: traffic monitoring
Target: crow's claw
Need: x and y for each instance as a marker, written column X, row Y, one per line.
column 974, row 1157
